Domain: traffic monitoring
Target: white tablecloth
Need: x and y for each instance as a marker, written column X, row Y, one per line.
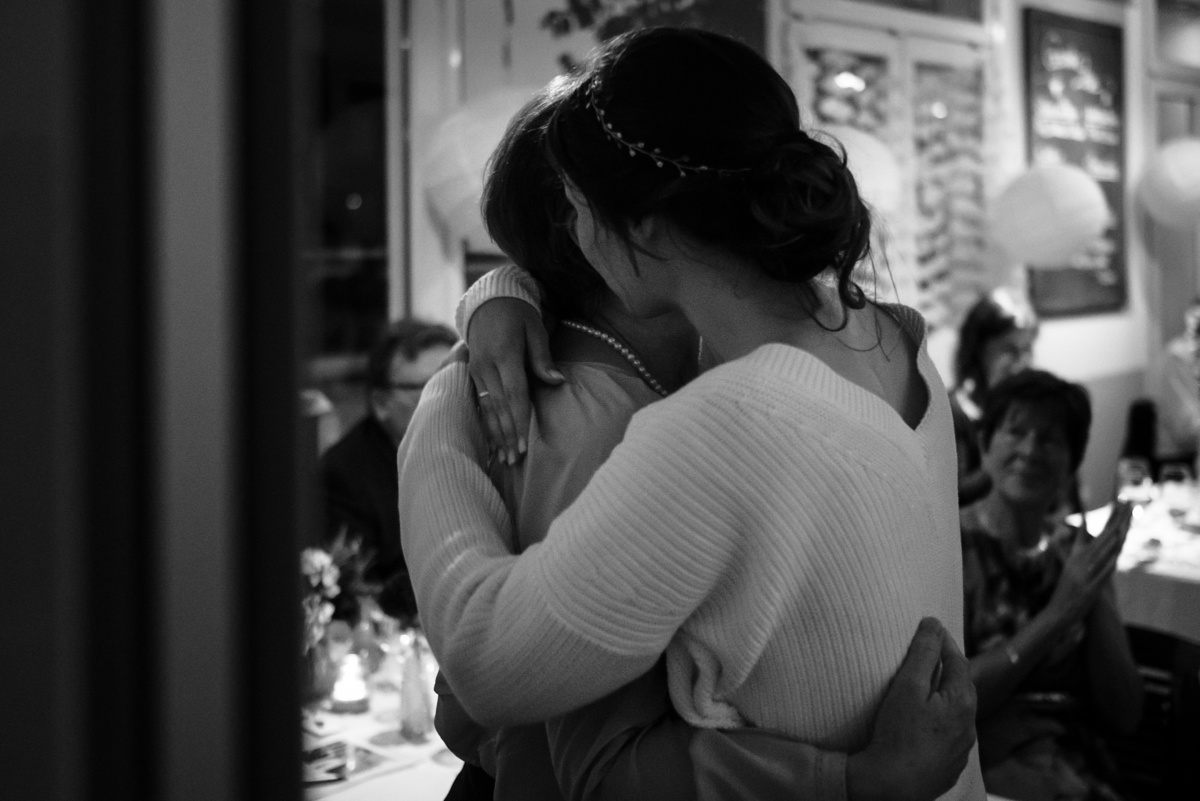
column 1158, row 573
column 404, row 771
column 426, row 781
column 1157, row 584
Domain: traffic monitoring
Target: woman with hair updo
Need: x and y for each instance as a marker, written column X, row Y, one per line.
column 779, row 525
column 630, row 744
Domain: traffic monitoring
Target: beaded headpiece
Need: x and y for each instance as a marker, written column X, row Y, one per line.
column 682, row 163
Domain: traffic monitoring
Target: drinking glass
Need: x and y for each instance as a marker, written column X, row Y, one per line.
column 1134, row 482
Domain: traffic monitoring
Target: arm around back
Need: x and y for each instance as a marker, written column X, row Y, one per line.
column 523, row 639
column 631, row 744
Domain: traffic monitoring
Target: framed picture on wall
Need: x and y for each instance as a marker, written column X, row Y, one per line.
column 1074, row 114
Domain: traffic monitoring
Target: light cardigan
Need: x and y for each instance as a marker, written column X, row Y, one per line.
column 509, row 281
column 778, row 527
column 627, row 744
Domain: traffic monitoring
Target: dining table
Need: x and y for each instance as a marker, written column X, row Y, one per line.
column 367, row 756
column 381, row 747
column 399, row 770
column 387, row 767
column 1157, row 579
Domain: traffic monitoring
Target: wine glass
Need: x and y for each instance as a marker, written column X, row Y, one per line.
column 1176, row 483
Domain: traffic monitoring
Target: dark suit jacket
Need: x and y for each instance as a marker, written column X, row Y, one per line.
column 361, row 495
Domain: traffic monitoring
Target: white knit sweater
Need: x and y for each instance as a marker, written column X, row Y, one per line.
column 778, row 529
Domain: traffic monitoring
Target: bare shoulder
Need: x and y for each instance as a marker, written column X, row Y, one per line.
column 892, row 356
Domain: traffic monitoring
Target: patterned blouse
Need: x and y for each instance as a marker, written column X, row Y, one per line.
column 1006, row 586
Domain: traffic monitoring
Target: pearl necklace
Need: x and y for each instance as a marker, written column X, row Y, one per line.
column 629, row 355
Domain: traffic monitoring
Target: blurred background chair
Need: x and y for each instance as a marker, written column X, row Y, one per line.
column 1158, row 762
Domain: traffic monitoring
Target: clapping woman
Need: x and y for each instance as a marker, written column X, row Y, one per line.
column 1049, row 655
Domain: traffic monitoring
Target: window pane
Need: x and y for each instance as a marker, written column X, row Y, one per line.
column 849, row 89
column 345, row 237
column 948, row 139
column 1175, row 117
column 1177, row 32
column 958, row 9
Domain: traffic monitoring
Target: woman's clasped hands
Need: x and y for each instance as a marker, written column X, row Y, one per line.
column 1090, row 565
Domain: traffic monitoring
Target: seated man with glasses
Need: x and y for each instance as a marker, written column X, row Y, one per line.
column 359, row 472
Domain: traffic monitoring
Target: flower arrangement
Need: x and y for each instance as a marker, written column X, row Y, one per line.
column 320, row 580
column 352, row 560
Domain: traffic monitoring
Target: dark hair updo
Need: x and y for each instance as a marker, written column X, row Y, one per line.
column 528, row 214
column 705, row 133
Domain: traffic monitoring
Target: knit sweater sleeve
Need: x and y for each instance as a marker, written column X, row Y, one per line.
column 509, row 281
column 630, row 743
column 522, row 639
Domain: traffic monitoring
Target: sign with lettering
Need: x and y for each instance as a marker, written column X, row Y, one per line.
column 1075, row 114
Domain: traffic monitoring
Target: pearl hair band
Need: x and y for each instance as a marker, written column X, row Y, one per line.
column 681, row 163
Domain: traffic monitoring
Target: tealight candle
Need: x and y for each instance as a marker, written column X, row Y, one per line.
column 350, row 690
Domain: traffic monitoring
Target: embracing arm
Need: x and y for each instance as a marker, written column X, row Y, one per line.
column 631, row 744
column 515, row 646
column 509, row 281
column 500, row 320
column 524, row 638
column 634, row 733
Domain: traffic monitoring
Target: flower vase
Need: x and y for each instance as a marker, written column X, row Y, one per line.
column 318, row 674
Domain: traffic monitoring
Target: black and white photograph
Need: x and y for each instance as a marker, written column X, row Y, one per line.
column 600, row 400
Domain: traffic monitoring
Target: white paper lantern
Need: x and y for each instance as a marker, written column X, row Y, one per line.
column 1170, row 187
column 1049, row 214
column 453, row 169
column 875, row 168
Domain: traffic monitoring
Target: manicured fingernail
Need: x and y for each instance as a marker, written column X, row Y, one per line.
column 557, row 375
column 512, row 458
column 521, row 445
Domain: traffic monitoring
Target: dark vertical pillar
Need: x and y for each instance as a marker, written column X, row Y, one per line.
column 116, row 437
column 274, row 470
column 75, row 427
